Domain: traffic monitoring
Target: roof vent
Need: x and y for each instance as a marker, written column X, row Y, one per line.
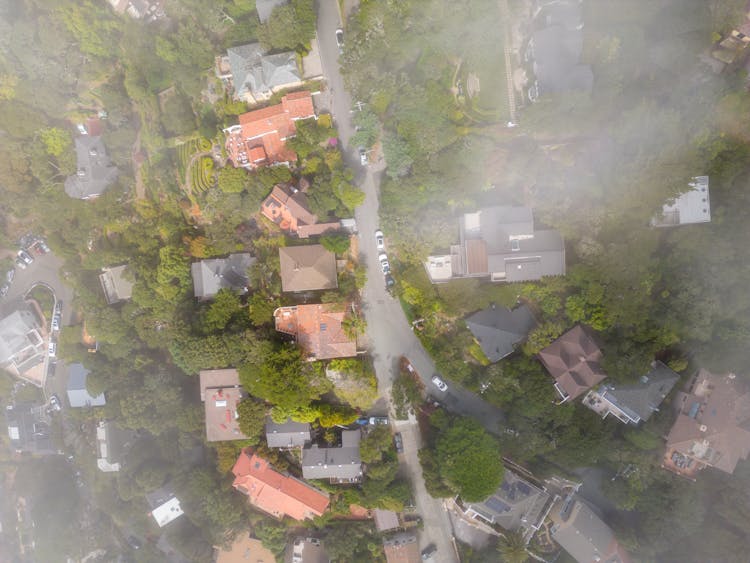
column 93, row 152
column 703, row 428
column 732, row 376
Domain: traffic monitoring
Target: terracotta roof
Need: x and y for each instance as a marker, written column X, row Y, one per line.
column 287, row 207
column 259, row 137
column 221, row 393
column 307, row 268
column 574, row 361
column 713, row 424
column 317, row 329
column 401, row 548
column 277, row 494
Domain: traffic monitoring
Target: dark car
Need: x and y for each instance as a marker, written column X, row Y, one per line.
column 428, row 552
column 398, row 443
column 389, row 281
column 134, row 542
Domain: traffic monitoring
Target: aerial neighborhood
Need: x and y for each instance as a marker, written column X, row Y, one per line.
column 331, row 282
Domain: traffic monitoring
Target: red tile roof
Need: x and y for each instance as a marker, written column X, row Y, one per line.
column 277, row 494
column 259, row 138
column 318, row 329
column 288, row 208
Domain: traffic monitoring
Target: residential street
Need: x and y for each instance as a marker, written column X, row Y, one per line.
column 388, row 330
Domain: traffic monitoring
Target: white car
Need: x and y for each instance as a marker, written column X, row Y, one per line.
column 384, row 265
column 362, row 156
column 340, row 39
column 439, row 383
column 52, row 349
column 54, row 403
column 379, row 240
column 55, row 323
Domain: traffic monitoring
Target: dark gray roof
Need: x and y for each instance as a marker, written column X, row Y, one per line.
column 116, row 284
column 288, row 434
column 259, row 74
column 499, row 329
column 644, row 397
column 543, row 255
column 112, row 443
column 265, row 7
column 95, row 171
column 334, row 463
column 209, row 276
column 78, row 396
column 516, row 505
column 580, row 532
column 565, row 14
column 495, row 225
column 28, row 429
column 556, row 55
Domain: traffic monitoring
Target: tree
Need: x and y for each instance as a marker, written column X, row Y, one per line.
column 290, row 27
column 542, row 336
column 285, row 379
column 376, row 444
column 468, row 459
column 251, row 415
column 338, row 243
column 56, row 141
column 512, row 547
column 398, row 156
column 233, row 180
column 353, row 324
column 261, row 308
column 225, row 305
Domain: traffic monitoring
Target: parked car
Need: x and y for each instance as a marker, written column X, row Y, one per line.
column 20, row 263
column 4, row 290
column 54, row 403
column 44, row 247
column 378, row 420
column 55, row 323
column 362, row 156
column 384, row 265
column 389, row 281
column 398, row 443
column 25, row 256
column 58, row 307
column 340, row 39
column 52, row 349
column 362, row 421
column 51, row 367
column 439, row 383
column 428, row 552
column 379, row 240
column 9, row 275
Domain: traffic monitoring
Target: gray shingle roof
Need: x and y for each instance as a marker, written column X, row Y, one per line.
column 580, row 532
column 334, row 463
column 644, row 397
column 95, row 171
column 499, row 329
column 265, row 7
column 259, row 74
column 28, row 429
column 557, row 53
column 288, row 434
column 78, row 396
column 209, row 276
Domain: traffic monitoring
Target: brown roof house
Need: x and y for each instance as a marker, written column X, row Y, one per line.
column 500, row 243
column 401, row 548
column 288, row 207
column 318, row 330
column 585, row 536
column 574, row 361
column 712, row 427
column 307, row 268
column 221, row 393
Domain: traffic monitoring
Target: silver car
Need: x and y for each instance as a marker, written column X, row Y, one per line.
column 439, row 383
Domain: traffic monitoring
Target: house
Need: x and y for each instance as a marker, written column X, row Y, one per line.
column 274, row 493
column 116, row 283
column 95, row 172
column 690, row 208
column 244, row 549
column 636, row 402
column 712, row 427
column 583, row 534
column 554, row 51
column 385, row 520
column 78, row 396
column 221, row 393
column 500, row 243
column 307, row 268
column 498, row 329
column 318, row 329
column 22, row 341
column 306, row 550
column 209, row 276
column 259, row 138
column 148, row 10
column 165, row 506
column 574, row 360
column 29, row 429
column 287, row 207
column 111, row 444
column 287, row 434
column 518, row 505
column 401, row 548
column 255, row 75
column 265, row 8
column 732, row 50
column 341, row 464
